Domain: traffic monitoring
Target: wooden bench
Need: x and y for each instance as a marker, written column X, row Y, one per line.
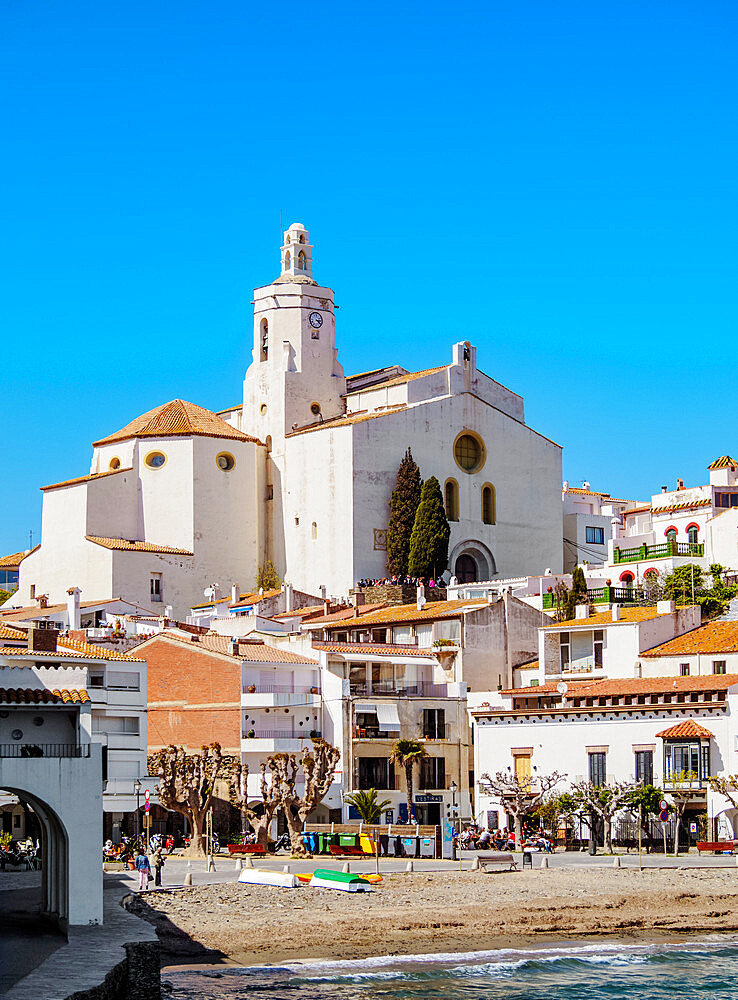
column 354, row 852
column 498, row 860
column 717, row 846
column 246, row 849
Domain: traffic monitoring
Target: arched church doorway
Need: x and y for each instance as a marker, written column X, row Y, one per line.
column 465, row 569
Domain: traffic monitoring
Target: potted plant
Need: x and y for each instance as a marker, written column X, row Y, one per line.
column 314, row 690
column 250, row 734
column 252, row 688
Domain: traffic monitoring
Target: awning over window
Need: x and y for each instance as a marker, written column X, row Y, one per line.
column 388, row 717
column 362, row 707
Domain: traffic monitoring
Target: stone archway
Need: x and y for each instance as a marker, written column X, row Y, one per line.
column 471, row 561
column 54, row 858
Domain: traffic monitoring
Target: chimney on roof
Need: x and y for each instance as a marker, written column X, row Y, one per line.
column 234, row 647
column 582, row 611
column 616, row 612
column 680, row 484
column 73, row 609
column 326, row 606
column 664, row 489
column 42, row 640
column 322, row 592
column 168, row 611
column 665, row 607
column 235, row 593
column 289, row 597
column 420, row 597
column 42, row 600
column 586, row 485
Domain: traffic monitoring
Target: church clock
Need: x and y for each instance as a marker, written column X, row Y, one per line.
column 316, row 320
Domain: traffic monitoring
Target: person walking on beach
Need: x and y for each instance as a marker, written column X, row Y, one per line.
column 143, row 868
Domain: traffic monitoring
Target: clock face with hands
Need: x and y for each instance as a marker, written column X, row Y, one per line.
column 315, row 320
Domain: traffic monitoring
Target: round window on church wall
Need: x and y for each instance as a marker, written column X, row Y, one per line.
column 114, row 464
column 225, row 461
column 155, row 459
column 469, row 452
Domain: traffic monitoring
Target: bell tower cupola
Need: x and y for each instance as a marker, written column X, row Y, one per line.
column 297, row 254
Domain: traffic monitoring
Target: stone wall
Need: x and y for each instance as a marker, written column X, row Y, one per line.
column 390, row 593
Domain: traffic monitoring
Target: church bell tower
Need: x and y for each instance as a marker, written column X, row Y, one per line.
column 294, row 379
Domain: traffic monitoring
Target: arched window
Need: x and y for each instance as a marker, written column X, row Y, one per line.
column 264, row 340
column 452, row 500
column 287, row 261
column 465, row 569
column 671, row 535
column 489, row 504
column 651, row 574
column 627, row 579
column 315, row 530
column 301, row 260
column 693, row 532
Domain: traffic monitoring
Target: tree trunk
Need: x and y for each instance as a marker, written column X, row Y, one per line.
column 295, row 828
column 261, row 829
column 518, row 827
column 197, row 840
column 409, row 783
column 607, row 820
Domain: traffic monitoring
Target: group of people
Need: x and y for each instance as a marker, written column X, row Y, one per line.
column 402, row 581
column 149, row 865
column 475, row 838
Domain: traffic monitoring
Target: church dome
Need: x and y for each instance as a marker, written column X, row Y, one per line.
column 177, row 418
column 297, row 225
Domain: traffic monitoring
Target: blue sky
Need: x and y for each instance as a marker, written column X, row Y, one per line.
column 555, row 182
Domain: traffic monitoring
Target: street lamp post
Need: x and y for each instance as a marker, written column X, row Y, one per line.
column 453, row 788
column 137, row 786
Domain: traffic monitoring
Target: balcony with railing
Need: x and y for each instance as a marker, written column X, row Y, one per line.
column 602, row 595
column 273, row 695
column 35, row 750
column 277, row 741
column 422, row 689
column 664, row 550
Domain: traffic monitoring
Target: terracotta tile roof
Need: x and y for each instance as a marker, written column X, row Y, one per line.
column 86, row 479
column 10, row 562
column 43, row 696
column 589, row 493
column 345, row 613
column 533, row 665
column 126, row 545
column 89, row 652
column 257, row 652
column 601, row 619
column 398, row 613
column 635, row 685
column 177, row 418
column 373, row 649
column 689, row 728
column 12, row 633
column 636, row 510
column 246, row 600
column 687, row 505
column 33, row 611
column 713, row 637
column 91, row 649
column 410, row 377
column 351, row 418
column 724, row 462
column 301, row 612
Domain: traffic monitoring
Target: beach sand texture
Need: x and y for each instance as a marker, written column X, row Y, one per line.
column 436, row 912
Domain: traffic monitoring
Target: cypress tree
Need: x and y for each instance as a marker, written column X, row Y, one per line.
column 403, row 507
column 429, row 540
column 578, row 592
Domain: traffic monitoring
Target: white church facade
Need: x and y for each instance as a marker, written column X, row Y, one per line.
column 301, row 473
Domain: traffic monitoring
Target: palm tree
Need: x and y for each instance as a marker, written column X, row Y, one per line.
column 367, row 806
column 406, row 753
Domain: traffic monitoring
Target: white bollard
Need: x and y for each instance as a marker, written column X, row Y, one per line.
column 211, row 863
column 286, row 869
column 544, row 862
column 239, row 864
column 248, row 861
column 736, row 861
column 189, row 864
column 346, row 868
column 475, row 865
column 188, row 878
column 410, row 867
column 616, row 861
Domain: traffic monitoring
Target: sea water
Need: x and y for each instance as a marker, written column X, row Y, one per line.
column 690, row 970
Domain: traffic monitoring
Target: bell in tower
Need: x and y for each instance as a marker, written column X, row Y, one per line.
column 297, row 255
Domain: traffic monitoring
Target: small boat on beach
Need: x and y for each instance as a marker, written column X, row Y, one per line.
column 343, row 881
column 260, row 876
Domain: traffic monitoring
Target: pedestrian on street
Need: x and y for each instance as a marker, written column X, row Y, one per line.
column 158, row 865
column 143, row 868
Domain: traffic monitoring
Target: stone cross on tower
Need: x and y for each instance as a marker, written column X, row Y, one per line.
column 297, row 253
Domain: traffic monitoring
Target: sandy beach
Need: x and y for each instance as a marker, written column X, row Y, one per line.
column 436, row 912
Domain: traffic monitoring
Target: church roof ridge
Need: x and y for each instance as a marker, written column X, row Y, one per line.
column 177, row 418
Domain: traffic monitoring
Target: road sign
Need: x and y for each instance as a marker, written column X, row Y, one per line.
column 147, row 802
column 664, row 815
column 663, row 804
